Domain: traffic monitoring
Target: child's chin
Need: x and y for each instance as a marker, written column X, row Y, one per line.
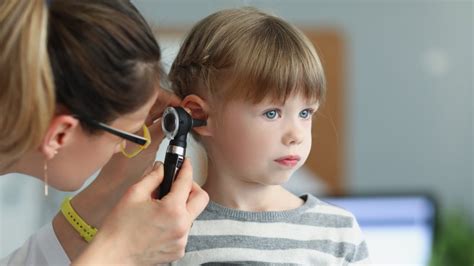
column 280, row 179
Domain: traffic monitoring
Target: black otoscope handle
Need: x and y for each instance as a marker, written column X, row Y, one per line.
column 177, row 122
column 172, row 165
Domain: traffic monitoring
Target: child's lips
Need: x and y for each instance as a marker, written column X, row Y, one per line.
column 290, row 160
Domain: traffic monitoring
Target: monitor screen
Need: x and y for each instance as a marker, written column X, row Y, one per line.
column 397, row 229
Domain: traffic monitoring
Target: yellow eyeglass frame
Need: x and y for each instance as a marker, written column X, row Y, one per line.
column 146, row 135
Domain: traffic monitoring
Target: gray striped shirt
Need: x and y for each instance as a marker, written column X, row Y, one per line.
column 316, row 233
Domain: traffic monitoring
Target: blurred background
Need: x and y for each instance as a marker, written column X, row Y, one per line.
column 394, row 141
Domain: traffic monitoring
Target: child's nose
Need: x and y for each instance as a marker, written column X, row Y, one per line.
column 293, row 136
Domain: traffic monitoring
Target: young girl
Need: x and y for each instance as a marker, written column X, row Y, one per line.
column 258, row 81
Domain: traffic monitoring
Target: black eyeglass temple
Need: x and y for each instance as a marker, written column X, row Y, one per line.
column 117, row 132
column 125, row 135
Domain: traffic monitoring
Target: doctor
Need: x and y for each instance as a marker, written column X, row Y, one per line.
column 97, row 110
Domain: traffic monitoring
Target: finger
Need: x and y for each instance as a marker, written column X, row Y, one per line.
column 197, row 201
column 182, row 184
column 149, row 182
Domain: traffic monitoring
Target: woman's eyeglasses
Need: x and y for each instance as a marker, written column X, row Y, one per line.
column 134, row 143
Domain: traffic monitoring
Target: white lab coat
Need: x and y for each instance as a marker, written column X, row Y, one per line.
column 42, row 248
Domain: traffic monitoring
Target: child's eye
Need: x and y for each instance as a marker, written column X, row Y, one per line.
column 306, row 113
column 272, row 114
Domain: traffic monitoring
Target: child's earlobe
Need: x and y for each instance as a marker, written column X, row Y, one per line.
column 199, row 109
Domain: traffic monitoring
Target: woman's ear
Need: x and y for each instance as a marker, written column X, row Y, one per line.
column 199, row 109
column 58, row 135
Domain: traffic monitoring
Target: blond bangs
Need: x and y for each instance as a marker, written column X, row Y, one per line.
column 274, row 62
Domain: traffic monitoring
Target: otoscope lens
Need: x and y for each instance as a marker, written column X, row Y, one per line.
column 169, row 122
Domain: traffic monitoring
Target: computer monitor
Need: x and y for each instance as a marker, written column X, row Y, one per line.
column 399, row 229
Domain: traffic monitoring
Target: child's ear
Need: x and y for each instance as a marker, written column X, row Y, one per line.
column 199, row 109
column 58, row 135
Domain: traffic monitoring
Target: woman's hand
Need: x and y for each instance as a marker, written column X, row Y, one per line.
column 111, row 189
column 141, row 230
column 121, row 172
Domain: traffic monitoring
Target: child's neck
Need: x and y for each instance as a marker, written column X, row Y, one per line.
column 234, row 193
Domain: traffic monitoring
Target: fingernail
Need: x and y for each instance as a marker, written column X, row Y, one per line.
column 156, row 165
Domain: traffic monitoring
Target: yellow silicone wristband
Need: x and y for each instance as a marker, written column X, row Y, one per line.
column 85, row 230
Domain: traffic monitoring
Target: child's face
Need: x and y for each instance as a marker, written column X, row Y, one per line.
column 262, row 143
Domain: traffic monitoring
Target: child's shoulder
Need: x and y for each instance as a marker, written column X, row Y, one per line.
column 319, row 205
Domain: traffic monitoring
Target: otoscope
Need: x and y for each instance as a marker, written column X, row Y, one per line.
column 176, row 124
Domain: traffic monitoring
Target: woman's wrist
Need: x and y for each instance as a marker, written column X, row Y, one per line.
column 91, row 205
column 102, row 250
column 71, row 242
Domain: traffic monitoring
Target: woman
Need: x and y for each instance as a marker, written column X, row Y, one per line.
column 106, row 68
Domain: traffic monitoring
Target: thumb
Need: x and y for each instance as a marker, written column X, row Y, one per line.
column 144, row 188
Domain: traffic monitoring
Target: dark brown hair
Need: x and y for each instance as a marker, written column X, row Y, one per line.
column 104, row 57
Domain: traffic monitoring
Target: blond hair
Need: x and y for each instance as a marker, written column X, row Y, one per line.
column 258, row 54
column 26, row 87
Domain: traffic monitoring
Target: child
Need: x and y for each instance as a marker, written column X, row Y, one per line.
column 258, row 81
